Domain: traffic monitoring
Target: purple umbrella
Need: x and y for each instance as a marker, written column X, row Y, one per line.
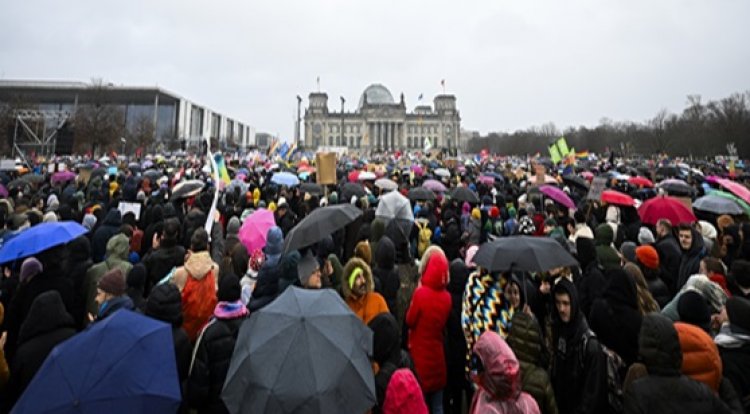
column 418, row 171
column 435, row 186
column 255, row 228
column 557, row 195
column 487, row 179
column 63, row 176
column 3, row 191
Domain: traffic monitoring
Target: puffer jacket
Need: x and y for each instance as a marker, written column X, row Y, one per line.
column 525, row 339
column 196, row 311
column 117, row 258
column 499, row 382
column 665, row 389
column 371, row 304
column 426, row 319
column 700, row 356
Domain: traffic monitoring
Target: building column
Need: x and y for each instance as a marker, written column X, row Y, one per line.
column 392, row 133
column 388, row 136
column 378, row 141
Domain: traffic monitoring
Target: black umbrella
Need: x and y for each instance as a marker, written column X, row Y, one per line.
column 576, row 181
column 523, row 253
column 306, row 352
column 32, row 178
column 101, row 171
column 152, row 175
column 319, row 224
column 464, row 194
column 351, row 189
column 311, row 188
column 17, row 183
column 187, row 189
column 678, row 189
column 421, row 194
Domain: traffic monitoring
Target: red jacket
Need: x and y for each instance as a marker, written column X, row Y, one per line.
column 426, row 320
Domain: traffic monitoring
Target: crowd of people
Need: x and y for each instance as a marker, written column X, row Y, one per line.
column 654, row 318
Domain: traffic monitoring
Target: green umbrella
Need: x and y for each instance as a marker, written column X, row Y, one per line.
column 742, row 203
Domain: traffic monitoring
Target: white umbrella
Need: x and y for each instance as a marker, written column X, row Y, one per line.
column 395, row 206
column 386, row 184
column 442, row 172
column 364, row 176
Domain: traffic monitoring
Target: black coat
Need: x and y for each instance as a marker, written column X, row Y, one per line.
column 657, row 286
column 267, row 287
column 79, row 262
column 109, row 227
column 165, row 304
column 385, row 274
column 161, row 261
column 670, row 256
column 47, row 324
column 213, row 354
column 590, row 286
column 691, row 260
column 736, row 363
column 451, row 235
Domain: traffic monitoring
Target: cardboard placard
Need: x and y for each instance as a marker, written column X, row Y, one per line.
column 84, row 175
column 597, row 187
column 127, row 207
column 326, row 167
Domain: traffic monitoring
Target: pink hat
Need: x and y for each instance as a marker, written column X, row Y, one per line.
column 470, row 252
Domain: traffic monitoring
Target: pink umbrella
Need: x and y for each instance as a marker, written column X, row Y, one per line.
column 487, row 179
column 254, row 229
column 418, row 171
column 735, row 188
column 63, row 176
column 557, row 195
column 588, row 175
column 434, row 185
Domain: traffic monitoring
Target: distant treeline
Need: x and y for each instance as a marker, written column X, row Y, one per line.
column 702, row 129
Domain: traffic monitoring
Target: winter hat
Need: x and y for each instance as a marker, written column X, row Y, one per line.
column 274, row 241
column 363, row 251
column 233, row 227
column 648, row 256
column 494, row 212
column 52, row 203
column 140, row 196
column 30, row 268
column 693, row 309
column 50, row 217
column 476, row 214
column 738, row 310
column 306, row 266
column 113, row 282
column 165, row 304
column 724, row 221
column 333, row 198
column 628, row 250
column 403, row 394
column 645, row 236
column 708, row 231
column 137, row 276
column 741, row 273
column 89, row 221
column 470, row 253
column 585, row 251
column 229, row 289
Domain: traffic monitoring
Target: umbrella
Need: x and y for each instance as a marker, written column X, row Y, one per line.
column 311, row 188
column 395, row 206
column 237, row 183
column 39, row 238
column 187, row 189
column 98, row 172
column 421, row 194
column 366, row 175
column 735, row 188
column 62, row 177
column 285, row 178
column 350, row 190
column 434, row 185
column 616, row 197
column 576, row 181
column 675, row 186
column 254, row 229
column 486, row 179
column 152, row 175
column 713, row 203
column 122, row 364
column 18, row 183
column 523, row 253
column 3, row 191
column 557, row 195
column 665, row 207
column 319, row 224
column 442, row 172
column 306, row 352
column 464, row 194
column 641, row 182
column 386, row 184
column 745, row 206
column 134, row 166
column 353, row 176
column 32, row 178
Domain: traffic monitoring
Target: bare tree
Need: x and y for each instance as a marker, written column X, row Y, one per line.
column 99, row 124
column 143, row 132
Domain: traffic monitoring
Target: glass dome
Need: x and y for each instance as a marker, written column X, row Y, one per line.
column 377, row 94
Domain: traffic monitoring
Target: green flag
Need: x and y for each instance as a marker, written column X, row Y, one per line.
column 562, row 146
column 554, row 153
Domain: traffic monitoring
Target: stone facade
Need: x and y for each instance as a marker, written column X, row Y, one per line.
column 381, row 124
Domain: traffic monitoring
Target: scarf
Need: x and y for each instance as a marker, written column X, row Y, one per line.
column 230, row 310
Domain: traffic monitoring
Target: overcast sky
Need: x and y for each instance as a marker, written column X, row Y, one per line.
column 511, row 64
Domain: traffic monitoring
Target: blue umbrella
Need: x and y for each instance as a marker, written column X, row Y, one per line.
column 40, row 238
column 285, row 178
column 123, row 364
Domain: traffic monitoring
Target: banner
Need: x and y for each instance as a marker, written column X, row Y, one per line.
column 326, row 168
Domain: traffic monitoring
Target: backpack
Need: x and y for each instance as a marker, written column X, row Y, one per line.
column 424, row 238
column 198, row 303
column 614, row 364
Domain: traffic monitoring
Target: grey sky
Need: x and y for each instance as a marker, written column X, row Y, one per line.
column 511, row 64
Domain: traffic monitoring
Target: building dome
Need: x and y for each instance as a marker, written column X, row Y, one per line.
column 377, row 94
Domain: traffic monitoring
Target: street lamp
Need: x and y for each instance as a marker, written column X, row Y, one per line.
column 343, row 138
column 123, row 140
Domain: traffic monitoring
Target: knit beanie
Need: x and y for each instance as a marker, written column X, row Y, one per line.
column 724, row 221
column 274, row 241
column 30, row 268
column 476, row 214
column 738, row 311
column 229, row 289
column 113, row 282
column 648, row 256
column 306, row 267
column 741, row 273
column 89, row 221
column 233, row 227
column 645, row 236
column 363, row 251
column 494, row 212
column 628, row 250
column 693, row 309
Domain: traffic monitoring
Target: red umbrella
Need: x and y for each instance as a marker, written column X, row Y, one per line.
column 665, row 207
column 616, row 197
column 641, row 181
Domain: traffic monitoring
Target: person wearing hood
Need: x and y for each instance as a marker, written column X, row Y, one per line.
column 700, row 356
column 308, row 271
column 525, row 339
column 358, row 291
column 136, row 281
column 665, row 389
column 165, row 304
column 232, row 238
column 385, row 274
column 739, row 277
column 451, row 234
column 197, row 281
column 117, row 258
column 497, row 373
column 78, row 263
column 455, row 344
column 669, row 253
column 426, row 319
column 267, row 287
column 47, row 325
column 403, row 395
column 591, row 282
column 578, row 373
column 387, row 354
column 733, row 342
column 109, row 227
column 111, row 295
column 166, row 252
column 608, row 256
column 691, row 243
column 214, row 348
